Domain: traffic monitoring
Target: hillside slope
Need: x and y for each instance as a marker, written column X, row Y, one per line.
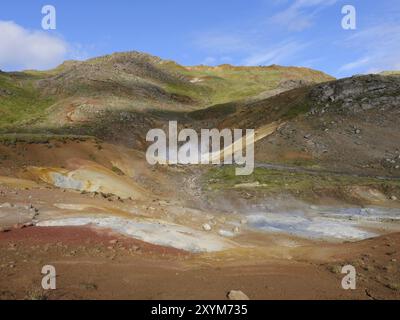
column 78, row 92
column 348, row 125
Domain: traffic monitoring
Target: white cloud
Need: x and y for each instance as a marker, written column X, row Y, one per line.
column 261, row 45
column 25, row 49
column 275, row 55
column 379, row 46
column 300, row 14
column 355, row 64
column 248, row 49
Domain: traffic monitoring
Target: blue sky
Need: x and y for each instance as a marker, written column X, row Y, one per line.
column 257, row 32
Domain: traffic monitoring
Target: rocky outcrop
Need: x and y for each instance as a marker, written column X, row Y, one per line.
column 356, row 94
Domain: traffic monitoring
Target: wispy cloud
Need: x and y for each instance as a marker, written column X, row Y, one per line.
column 223, row 42
column 249, row 49
column 25, row 49
column 300, row 14
column 275, row 54
column 260, row 44
column 379, row 48
column 362, row 62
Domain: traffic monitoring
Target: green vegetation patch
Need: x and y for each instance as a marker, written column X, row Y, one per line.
column 20, row 102
column 280, row 180
column 220, row 85
column 13, row 138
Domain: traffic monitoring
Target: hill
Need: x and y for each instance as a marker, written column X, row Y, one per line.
column 77, row 91
column 348, row 124
column 344, row 125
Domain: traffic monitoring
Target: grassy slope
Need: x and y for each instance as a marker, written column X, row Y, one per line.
column 227, row 83
column 22, row 104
